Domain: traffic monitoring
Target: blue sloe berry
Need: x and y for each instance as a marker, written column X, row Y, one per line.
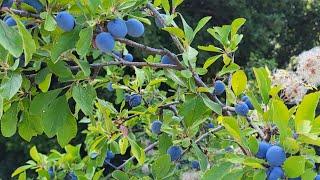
column 36, row 4
column 135, row 100
column 242, row 109
column 219, row 87
column 117, row 28
column 51, row 173
column 156, row 127
column 135, row 28
column 109, row 87
column 128, row 57
column 175, row 152
column 275, row 156
column 65, row 21
column 317, row 177
column 263, row 148
column 210, row 125
column 71, row 176
column 276, row 173
column 10, row 21
column 248, row 102
column 7, row 3
column 195, row 165
column 166, row 60
column 105, row 42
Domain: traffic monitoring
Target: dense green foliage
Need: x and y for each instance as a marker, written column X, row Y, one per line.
column 63, row 78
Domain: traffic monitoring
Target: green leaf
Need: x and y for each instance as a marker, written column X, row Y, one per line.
column 29, row 46
column 238, row 82
column 188, row 31
column 50, row 24
column 165, row 5
column 203, row 159
column 210, row 61
column 236, row 24
column 186, row 73
column 21, row 169
column 210, row 48
column 259, row 174
column 34, row 154
column 84, row 42
column 175, row 31
column 60, row 69
column 212, row 105
column 253, row 144
column 164, row 143
column 123, row 145
column 29, row 126
column 44, row 85
column 201, row 23
column 279, row 114
column 66, row 41
column 137, row 152
column 10, row 39
column 84, row 97
column 264, row 83
column 59, row 121
column 10, row 85
column 176, row 3
column 193, row 110
column 309, row 174
column 1, row 106
column 120, row 175
column 161, row 166
column 306, row 112
column 41, row 101
column 9, row 121
column 218, row 171
column 234, row 174
column 229, row 69
column 231, row 125
column 294, row 166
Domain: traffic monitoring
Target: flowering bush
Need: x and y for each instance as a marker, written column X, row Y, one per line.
column 153, row 117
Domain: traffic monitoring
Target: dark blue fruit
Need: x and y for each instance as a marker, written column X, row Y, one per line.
column 175, row 152
column 109, row 87
column 71, row 176
column 117, row 28
column 51, row 173
column 109, row 156
column 166, row 60
column 210, row 126
column 65, row 21
column 158, row 23
column 317, row 177
column 128, row 57
column 242, row 109
column 248, row 102
column 219, row 87
column 195, row 165
column 10, row 21
column 105, row 42
column 156, row 127
column 276, row 173
column 263, row 148
column 7, row 3
column 135, row 28
column 275, row 156
column 36, row 4
column 135, row 100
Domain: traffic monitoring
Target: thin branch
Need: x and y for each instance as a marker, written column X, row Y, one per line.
column 151, row 146
column 162, row 22
column 151, row 50
column 20, row 13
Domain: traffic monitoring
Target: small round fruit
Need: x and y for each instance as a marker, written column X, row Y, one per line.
column 117, row 28
column 156, row 127
column 175, row 152
column 242, row 109
column 128, row 57
column 36, row 4
column 135, row 100
column 10, row 21
column 195, row 165
column 219, row 87
column 135, row 28
column 275, row 156
column 317, row 177
column 166, row 60
column 105, row 42
column 110, row 155
column 248, row 102
column 65, row 21
column 51, row 173
column 210, row 126
column 71, row 176
column 109, row 87
column 276, row 173
column 263, row 148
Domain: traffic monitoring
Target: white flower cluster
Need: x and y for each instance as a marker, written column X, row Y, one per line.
column 295, row 84
column 309, row 66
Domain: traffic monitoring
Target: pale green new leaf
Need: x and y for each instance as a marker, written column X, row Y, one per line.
column 10, row 85
column 84, row 42
column 294, row 166
column 10, row 39
column 9, row 121
column 238, row 82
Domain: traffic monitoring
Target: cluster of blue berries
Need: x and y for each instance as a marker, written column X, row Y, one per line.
column 118, row 28
column 243, row 107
